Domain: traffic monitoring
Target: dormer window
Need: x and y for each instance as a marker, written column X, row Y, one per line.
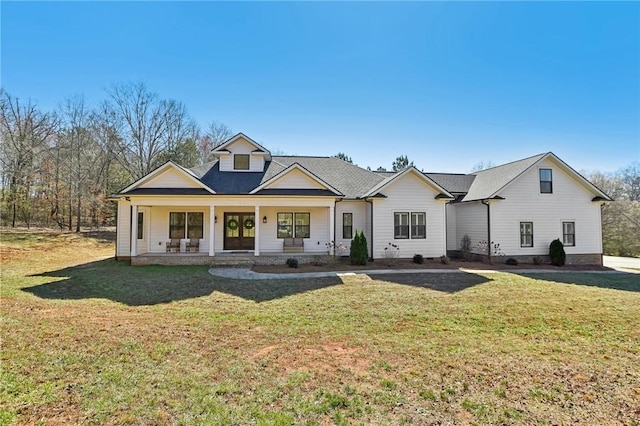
column 241, row 162
column 546, row 183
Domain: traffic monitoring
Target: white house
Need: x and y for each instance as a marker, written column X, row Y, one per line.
column 275, row 207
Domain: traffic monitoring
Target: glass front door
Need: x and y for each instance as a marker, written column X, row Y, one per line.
column 239, row 231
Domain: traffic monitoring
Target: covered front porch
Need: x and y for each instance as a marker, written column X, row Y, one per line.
column 195, row 232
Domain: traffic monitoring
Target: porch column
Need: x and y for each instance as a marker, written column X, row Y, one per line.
column 332, row 226
column 256, row 244
column 134, row 230
column 212, row 225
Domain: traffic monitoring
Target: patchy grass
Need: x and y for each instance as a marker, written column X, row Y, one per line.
column 86, row 339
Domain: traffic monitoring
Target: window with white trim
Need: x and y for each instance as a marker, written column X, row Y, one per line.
column 241, row 162
column 409, row 225
column 546, row 181
column 140, row 225
column 186, row 225
column 294, row 225
column 526, row 234
column 347, row 226
column 569, row 233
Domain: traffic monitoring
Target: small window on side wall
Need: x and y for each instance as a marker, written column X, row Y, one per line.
column 241, row 162
column 347, row 226
column 569, row 234
column 546, row 181
column 526, row 234
column 140, row 223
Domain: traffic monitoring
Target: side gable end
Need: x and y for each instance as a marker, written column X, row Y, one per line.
column 169, row 175
column 442, row 194
column 296, row 177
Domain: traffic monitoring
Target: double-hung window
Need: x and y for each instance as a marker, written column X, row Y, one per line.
column 294, row 225
column 569, row 233
column 526, row 234
column 409, row 225
column 546, row 181
column 186, row 225
column 140, row 224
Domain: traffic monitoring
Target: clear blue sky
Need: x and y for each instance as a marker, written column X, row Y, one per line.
column 448, row 84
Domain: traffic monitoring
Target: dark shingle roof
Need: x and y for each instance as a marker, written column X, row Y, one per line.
column 231, row 182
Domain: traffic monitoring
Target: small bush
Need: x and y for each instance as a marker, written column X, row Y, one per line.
column 444, row 260
column 556, row 253
column 511, row 261
column 537, row 260
column 292, row 263
column 391, row 253
column 359, row 253
column 418, row 258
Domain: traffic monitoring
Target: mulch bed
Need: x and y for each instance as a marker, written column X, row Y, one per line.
column 342, row 264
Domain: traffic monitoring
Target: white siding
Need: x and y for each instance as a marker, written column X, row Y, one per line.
column 471, row 220
column 123, row 234
column 170, row 178
column 452, row 238
column 360, row 221
column 319, row 229
column 569, row 202
column 159, row 228
column 409, row 194
column 297, row 180
column 241, row 146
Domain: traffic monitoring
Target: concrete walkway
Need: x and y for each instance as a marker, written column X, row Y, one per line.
column 625, row 264
column 248, row 274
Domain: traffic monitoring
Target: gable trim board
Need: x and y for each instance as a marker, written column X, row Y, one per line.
column 487, row 204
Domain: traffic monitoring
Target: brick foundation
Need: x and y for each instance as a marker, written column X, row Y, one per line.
column 572, row 259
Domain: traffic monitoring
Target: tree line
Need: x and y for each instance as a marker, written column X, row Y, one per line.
column 59, row 167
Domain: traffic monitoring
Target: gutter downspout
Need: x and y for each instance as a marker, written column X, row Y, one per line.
column 489, row 243
column 335, row 228
column 371, row 225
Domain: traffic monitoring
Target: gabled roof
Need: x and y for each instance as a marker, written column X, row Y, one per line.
column 444, row 194
column 290, row 169
column 453, row 182
column 488, row 183
column 259, row 149
column 166, row 166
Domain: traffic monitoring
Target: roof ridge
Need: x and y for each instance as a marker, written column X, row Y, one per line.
column 511, row 162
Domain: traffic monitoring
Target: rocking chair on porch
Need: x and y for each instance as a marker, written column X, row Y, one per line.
column 193, row 245
column 173, row 246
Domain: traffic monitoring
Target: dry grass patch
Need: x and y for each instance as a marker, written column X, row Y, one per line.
column 89, row 340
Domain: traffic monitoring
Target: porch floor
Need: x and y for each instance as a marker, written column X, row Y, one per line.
column 226, row 258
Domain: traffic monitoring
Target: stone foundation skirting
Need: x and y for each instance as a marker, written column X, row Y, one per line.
column 170, row 260
column 303, row 259
column 224, row 260
column 572, row 259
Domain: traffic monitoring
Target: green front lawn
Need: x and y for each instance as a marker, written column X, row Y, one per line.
column 86, row 339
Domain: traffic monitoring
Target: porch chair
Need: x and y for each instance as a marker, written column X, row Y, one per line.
column 193, row 245
column 293, row 245
column 173, row 246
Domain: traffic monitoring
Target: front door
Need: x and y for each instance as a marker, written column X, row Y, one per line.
column 239, row 231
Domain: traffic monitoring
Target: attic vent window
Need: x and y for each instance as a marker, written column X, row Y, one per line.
column 241, row 162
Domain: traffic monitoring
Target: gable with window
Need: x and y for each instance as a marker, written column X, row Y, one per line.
column 409, row 225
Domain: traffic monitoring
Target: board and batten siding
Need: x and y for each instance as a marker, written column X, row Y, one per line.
column 569, row 202
column 170, row 178
column 471, row 220
column 409, row 194
column 241, row 146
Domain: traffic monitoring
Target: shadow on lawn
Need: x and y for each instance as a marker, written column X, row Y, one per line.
column 151, row 285
column 616, row 281
column 445, row 282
